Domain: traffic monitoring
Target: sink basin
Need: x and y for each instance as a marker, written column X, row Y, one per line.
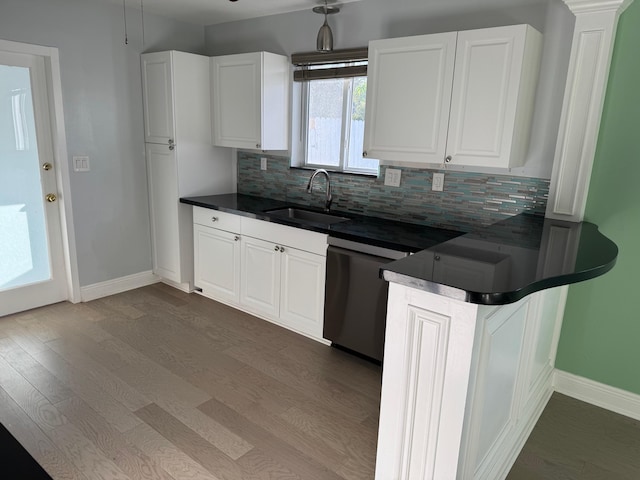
column 304, row 216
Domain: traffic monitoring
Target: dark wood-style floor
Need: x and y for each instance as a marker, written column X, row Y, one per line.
column 158, row 384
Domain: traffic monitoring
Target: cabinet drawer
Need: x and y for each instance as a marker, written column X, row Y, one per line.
column 284, row 235
column 217, row 219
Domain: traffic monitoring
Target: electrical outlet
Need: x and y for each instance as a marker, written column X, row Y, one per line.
column 437, row 184
column 392, row 177
column 263, row 163
column 81, row 164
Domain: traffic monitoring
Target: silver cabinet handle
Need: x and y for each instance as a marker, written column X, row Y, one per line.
column 236, row 238
column 448, row 158
column 172, row 147
column 277, row 249
column 364, row 154
column 214, row 219
column 282, row 249
column 171, row 142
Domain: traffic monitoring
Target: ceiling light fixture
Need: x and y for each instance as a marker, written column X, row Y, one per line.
column 324, row 42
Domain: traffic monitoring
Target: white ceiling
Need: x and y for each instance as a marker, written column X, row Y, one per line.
column 210, row 12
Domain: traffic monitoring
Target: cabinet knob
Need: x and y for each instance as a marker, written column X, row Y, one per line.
column 257, row 145
column 171, row 142
column 364, row 154
column 448, row 158
column 437, row 258
column 51, row 197
column 277, row 248
column 282, row 249
column 47, row 166
column 172, row 147
column 236, row 238
column 214, row 219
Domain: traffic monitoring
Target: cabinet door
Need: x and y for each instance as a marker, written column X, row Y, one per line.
column 157, row 96
column 217, row 263
column 490, row 93
column 163, row 199
column 408, row 95
column 302, row 297
column 260, row 277
column 236, row 100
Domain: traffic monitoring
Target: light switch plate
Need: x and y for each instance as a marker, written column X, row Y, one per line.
column 392, row 177
column 437, row 184
column 81, row 164
column 263, row 163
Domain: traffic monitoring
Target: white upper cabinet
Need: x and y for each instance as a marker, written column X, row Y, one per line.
column 463, row 98
column 408, row 90
column 494, row 89
column 157, row 96
column 250, row 101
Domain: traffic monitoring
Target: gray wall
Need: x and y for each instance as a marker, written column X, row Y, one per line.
column 359, row 22
column 102, row 99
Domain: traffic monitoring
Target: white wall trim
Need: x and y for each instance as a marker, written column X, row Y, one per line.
column 598, row 394
column 118, row 285
column 591, row 52
column 54, row 83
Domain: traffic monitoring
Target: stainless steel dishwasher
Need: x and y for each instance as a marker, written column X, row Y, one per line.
column 355, row 306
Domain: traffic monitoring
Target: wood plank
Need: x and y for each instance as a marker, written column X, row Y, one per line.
column 274, row 452
column 33, row 439
column 87, row 458
column 167, row 455
column 32, row 371
column 82, row 385
column 112, row 443
column 35, row 405
column 109, row 382
column 191, row 443
column 334, row 395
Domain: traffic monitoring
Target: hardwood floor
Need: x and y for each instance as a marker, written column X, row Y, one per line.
column 157, row 384
column 577, row 441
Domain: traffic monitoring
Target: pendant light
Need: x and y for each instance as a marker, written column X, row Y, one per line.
column 324, row 42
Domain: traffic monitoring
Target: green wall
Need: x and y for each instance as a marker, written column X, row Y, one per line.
column 601, row 332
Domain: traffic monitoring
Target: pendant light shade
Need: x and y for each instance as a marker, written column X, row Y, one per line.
column 324, row 42
column 325, row 38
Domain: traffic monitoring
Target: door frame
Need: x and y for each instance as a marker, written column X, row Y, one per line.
column 59, row 139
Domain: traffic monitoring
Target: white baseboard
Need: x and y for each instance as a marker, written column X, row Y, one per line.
column 598, row 394
column 117, row 285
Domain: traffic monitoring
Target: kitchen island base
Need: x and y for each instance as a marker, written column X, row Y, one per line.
column 463, row 384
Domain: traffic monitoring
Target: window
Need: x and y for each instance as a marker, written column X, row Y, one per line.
column 334, row 98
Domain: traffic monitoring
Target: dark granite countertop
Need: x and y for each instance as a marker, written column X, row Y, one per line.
column 508, row 260
column 405, row 237
column 493, row 265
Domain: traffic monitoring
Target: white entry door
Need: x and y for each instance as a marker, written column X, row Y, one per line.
column 32, row 267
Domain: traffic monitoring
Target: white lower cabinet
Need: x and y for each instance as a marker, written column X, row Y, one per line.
column 274, row 277
column 260, row 285
column 217, row 266
column 302, row 290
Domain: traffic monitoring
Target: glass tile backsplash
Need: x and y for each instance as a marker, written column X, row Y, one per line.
column 468, row 200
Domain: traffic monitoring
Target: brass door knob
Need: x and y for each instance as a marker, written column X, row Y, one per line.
column 51, row 197
column 47, row 166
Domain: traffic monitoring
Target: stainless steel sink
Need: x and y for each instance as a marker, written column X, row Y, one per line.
column 304, row 216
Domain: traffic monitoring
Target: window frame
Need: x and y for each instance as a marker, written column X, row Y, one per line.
column 345, row 130
column 346, row 64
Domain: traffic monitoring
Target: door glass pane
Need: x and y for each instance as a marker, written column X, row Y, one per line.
column 24, row 252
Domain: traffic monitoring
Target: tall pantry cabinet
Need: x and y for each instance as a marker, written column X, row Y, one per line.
column 181, row 160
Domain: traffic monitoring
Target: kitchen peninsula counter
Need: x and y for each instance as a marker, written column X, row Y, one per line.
column 504, row 262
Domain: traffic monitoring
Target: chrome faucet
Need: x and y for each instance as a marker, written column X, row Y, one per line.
column 328, row 198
